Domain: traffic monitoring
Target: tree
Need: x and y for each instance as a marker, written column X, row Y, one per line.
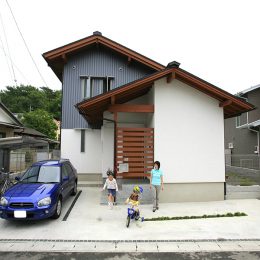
column 41, row 121
column 23, row 99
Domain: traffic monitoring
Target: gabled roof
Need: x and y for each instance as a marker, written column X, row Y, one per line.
column 58, row 57
column 16, row 122
column 92, row 109
column 30, row 132
column 249, row 90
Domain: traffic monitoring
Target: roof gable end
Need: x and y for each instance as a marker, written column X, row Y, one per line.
column 7, row 117
column 56, row 58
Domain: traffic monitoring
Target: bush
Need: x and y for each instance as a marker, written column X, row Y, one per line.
column 229, row 214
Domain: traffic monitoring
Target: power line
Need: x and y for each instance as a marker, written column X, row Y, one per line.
column 14, row 64
column 7, row 46
column 26, row 44
column 6, row 59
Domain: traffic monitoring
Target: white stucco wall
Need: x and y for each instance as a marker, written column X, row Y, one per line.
column 88, row 161
column 107, row 140
column 189, row 134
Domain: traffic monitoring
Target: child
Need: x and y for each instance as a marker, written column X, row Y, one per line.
column 133, row 200
column 112, row 188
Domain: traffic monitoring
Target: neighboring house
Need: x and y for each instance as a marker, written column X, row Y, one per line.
column 122, row 110
column 8, row 124
column 242, row 132
column 14, row 136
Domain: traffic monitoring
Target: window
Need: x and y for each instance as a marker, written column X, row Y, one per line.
column 69, row 170
column 93, row 86
column 49, row 174
column 82, row 140
column 65, row 172
column 43, row 174
column 2, row 135
column 238, row 121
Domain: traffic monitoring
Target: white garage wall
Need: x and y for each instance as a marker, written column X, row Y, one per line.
column 90, row 160
column 189, row 134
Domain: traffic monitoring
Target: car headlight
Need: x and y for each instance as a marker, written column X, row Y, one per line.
column 44, row 202
column 3, row 202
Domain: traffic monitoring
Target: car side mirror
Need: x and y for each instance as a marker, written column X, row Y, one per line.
column 66, row 178
column 17, row 178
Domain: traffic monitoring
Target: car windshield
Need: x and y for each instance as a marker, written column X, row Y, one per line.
column 42, row 174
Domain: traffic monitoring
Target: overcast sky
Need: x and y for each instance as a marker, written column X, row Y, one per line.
column 218, row 41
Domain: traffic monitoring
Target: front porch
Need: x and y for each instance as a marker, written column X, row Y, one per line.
column 130, row 126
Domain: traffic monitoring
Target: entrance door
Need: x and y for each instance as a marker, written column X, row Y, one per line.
column 134, row 152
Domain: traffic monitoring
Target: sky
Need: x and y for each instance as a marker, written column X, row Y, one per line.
column 216, row 40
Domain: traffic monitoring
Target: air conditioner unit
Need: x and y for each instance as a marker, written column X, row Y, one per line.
column 256, row 149
column 230, row 145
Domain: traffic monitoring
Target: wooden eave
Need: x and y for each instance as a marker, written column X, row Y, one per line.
column 93, row 108
column 58, row 57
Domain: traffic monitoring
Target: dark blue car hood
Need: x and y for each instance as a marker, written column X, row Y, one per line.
column 27, row 190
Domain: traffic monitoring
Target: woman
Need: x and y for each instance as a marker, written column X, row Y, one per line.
column 156, row 181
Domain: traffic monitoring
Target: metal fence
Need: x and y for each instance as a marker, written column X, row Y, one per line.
column 248, row 161
column 243, row 169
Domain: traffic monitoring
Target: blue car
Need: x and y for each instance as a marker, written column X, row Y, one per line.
column 40, row 192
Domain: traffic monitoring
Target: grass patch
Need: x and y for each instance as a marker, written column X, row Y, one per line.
column 236, row 214
column 237, row 179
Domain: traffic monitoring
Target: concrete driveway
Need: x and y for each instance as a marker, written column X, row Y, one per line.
column 90, row 222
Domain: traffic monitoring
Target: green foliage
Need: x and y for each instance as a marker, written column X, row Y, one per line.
column 41, row 121
column 236, row 214
column 23, row 99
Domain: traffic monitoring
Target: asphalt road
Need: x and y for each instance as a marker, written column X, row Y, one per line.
column 130, row 256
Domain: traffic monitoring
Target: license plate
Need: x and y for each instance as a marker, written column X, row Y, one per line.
column 20, row 214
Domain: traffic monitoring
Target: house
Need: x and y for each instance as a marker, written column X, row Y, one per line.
column 242, row 133
column 122, row 110
column 19, row 144
column 8, row 124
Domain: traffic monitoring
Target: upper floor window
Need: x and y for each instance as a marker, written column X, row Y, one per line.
column 238, row 121
column 93, row 86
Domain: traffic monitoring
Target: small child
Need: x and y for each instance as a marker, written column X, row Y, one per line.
column 133, row 200
column 112, row 188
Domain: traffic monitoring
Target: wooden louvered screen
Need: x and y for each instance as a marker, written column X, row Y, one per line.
column 135, row 146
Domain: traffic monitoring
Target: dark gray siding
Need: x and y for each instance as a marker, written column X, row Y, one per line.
column 254, row 98
column 95, row 61
column 244, row 140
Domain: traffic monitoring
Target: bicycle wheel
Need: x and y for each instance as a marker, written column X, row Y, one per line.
column 127, row 221
column 3, row 189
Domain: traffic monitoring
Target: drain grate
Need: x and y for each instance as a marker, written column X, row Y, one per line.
column 126, row 241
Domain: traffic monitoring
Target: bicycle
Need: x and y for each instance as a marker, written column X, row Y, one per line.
column 6, row 183
column 132, row 214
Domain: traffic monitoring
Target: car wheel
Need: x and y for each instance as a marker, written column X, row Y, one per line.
column 74, row 190
column 58, row 209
